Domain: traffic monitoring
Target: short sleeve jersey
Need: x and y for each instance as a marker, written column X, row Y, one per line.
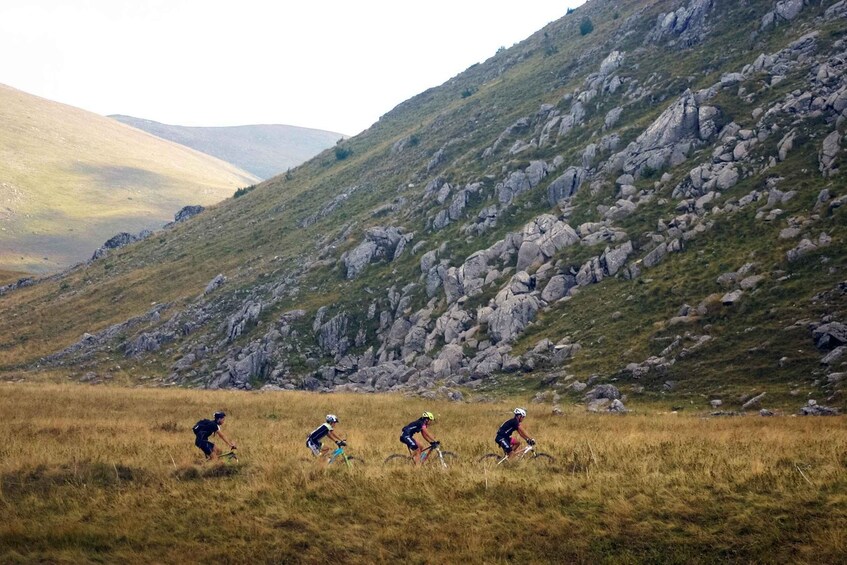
column 508, row 428
column 204, row 428
column 414, row 427
column 320, row 432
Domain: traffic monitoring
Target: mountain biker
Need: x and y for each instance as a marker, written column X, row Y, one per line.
column 207, row 428
column 313, row 442
column 419, row 425
column 504, row 438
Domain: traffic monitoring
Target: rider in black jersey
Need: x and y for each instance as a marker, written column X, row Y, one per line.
column 313, row 442
column 419, row 425
column 504, row 438
column 204, row 429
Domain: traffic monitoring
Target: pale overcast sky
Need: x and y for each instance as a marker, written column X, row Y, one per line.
column 329, row 65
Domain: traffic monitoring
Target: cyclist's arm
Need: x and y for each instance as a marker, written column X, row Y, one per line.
column 426, row 435
column 223, row 437
column 523, row 433
column 334, row 437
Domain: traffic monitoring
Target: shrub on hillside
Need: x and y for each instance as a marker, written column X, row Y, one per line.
column 586, row 26
column 342, row 153
column 242, row 191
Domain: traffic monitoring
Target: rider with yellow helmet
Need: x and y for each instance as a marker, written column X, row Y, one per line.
column 419, row 425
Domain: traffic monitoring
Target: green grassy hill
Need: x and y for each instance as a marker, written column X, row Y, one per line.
column 651, row 201
column 70, row 180
column 263, row 150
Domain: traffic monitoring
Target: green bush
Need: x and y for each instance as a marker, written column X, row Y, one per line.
column 342, row 153
column 586, row 26
column 242, row 191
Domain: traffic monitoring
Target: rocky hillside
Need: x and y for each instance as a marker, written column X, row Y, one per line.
column 262, row 150
column 71, row 179
column 642, row 199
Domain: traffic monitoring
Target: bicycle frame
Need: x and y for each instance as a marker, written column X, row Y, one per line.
column 426, row 452
column 339, row 452
column 521, row 455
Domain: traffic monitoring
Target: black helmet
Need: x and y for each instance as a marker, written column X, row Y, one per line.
column 219, row 415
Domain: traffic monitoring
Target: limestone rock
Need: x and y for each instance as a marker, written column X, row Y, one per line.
column 510, row 319
column 830, row 336
column 215, row 284
column 828, row 153
column 188, row 212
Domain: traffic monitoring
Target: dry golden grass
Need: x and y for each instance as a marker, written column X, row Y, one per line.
column 108, row 474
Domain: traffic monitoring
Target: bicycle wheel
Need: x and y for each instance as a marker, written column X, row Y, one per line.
column 355, row 461
column 543, row 459
column 490, row 460
column 396, row 459
column 447, row 457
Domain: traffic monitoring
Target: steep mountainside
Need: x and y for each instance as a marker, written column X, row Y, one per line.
column 70, row 180
column 645, row 193
column 263, row 150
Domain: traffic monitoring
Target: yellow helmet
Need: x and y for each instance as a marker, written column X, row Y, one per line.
column 429, row 416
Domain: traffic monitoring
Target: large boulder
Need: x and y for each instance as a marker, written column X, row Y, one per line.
column 557, row 287
column 118, row 241
column 379, row 243
column 788, row 10
column 679, row 121
column 356, row 260
column 607, row 391
column 332, row 335
column 512, row 317
column 187, row 212
column 565, row 185
column 668, row 140
column 829, row 336
column 828, row 164
column 686, row 24
column 515, row 185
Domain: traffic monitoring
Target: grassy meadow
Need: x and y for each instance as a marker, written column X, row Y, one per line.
column 109, row 474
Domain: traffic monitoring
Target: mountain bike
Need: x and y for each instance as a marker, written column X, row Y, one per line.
column 228, row 457
column 444, row 457
column 340, row 455
column 528, row 453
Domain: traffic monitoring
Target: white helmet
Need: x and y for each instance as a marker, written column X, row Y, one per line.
column 331, row 419
column 520, row 412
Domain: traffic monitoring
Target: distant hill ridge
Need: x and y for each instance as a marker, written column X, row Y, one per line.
column 71, row 179
column 263, row 149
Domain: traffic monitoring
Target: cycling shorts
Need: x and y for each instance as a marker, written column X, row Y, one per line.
column 409, row 442
column 206, row 446
column 506, row 444
column 315, row 446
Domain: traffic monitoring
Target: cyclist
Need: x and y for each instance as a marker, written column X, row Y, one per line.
column 207, row 428
column 504, row 438
column 419, row 425
column 313, row 442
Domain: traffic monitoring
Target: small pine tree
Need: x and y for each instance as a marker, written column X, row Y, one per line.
column 586, row 26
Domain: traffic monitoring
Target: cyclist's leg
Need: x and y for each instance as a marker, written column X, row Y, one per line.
column 318, row 451
column 414, row 448
column 514, row 447
column 505, row 444
column 206, row 446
